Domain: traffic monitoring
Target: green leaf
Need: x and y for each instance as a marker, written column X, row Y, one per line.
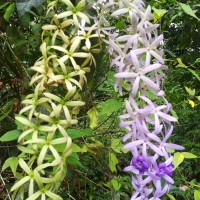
column 25, row 19
column 73, row 159
column 189, row 155
column 174, row 114
column 190, row 91
column 116, row 185
column 74, row 133
column 119, row 25
column 187, row 9
column 6, row 164
column 108, row 184
column 111, row 105
column 151, row 95
column 158, row 14
column 171, row 197
column 5, row 114
column 76, row 148
column 13, row 164
column 198, row 97
column 24, row 6
column 9, row 11
column 194, row 73
column 181, row 64
column 93, row 115
column 178, row 159
column 116, row 145
column 10, row 135
column 113, row 161
column 108, row 107
column 196, row 195
column 4, row 4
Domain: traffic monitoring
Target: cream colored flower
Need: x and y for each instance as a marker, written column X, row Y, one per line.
column 75, row 12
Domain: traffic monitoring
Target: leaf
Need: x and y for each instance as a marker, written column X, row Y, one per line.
column 196, row 195
column 171, row 197
column 181, row 64
column 187, row 9
column 116, row 145
column 119, row 25
column 194, row 73
column 5, row 114
column 73, row 159
column 13, row 164
column 158, row 14
column 4, row 4
column 178, row 159
column 111, row 105
column 189, row 155
column 113, row 161
column 24, row 6
column 9, row 11
column 108, row 184
column 116, row 185
column 10, row 135
column 74, row 133
column 190, row 91
column 6, row 164
column 76, row 148
column 174, row 114
column 93, row 115
column 198, row 97
column 108, row 107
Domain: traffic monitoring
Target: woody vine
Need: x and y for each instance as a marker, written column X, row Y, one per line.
column 69, row 45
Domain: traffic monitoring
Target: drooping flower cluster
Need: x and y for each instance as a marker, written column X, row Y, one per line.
column 67, row 55
column 137, row 56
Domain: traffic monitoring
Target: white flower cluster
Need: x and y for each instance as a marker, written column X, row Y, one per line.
column 60, row 74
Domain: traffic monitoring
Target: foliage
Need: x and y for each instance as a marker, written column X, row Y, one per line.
column 89, row 175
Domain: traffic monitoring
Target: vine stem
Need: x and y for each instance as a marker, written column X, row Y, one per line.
column 4, row 185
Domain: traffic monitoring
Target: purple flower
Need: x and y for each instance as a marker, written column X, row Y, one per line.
column 163, row 170
column 137, row 57
column 140, row 163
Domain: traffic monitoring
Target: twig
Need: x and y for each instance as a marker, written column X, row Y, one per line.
column 5, row 188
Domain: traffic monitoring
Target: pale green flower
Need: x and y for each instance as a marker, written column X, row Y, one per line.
column 87, row 36
column 75, row 12
column 58, row 29
column 32, row 177
column 32, row 128
column 71, row 53
column 32, row 101
column 47, row 145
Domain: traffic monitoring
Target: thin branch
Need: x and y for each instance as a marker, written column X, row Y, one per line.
column 5, row 188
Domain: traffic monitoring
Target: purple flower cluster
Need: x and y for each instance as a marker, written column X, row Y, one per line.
column 137, row 56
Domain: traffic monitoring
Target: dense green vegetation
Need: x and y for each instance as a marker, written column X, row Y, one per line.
column 95, row 170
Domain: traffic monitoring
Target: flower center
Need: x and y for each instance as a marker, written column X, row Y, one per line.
column 140, row 163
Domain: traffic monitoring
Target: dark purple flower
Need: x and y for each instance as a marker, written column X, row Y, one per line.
column 140, row 163
column 163, row 170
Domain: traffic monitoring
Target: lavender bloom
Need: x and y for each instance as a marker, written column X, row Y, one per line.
column 137, row 57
